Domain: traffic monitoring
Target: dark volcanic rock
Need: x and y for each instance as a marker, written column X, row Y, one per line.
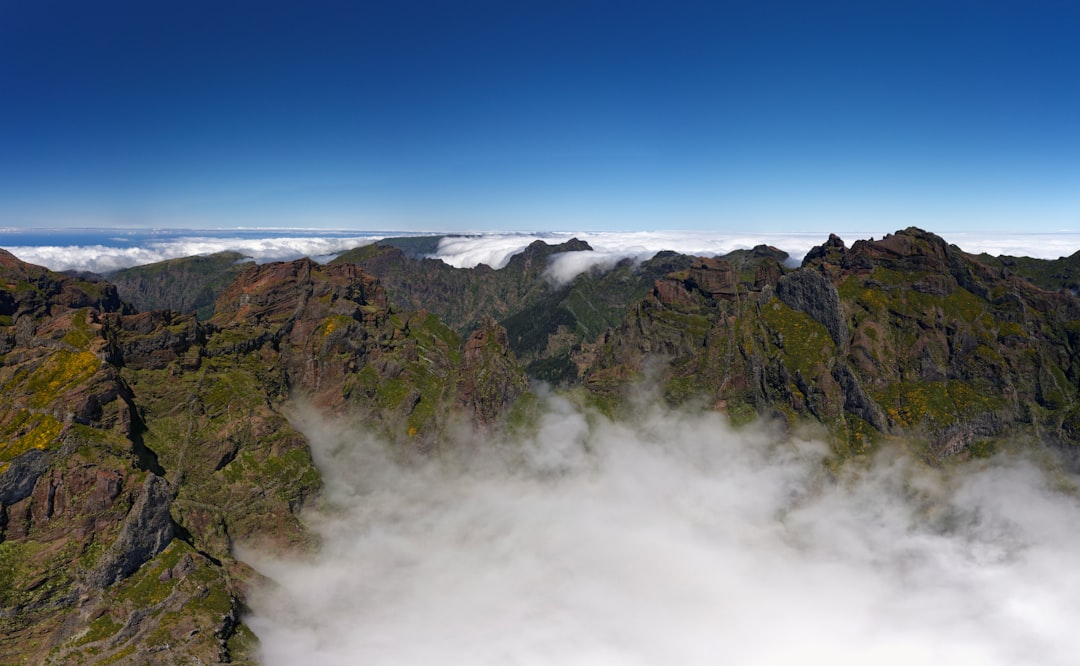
column 831, row 252
column 716, row 278
column 136, row 449
column 857, row 401
column 17, row 481
column 146, row 530
column 811, row 292
column 904, row 336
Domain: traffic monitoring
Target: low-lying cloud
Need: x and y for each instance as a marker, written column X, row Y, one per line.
column 494, row 248
column 670, row 538
column 102, row 258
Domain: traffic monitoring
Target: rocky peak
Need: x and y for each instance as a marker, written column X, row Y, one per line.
column 769, row 252
column 716, row 278
column 534, row 257
column 491, row 376
column 11, row 267
column 277, row 292
column 722, row 278
column 909, row 250
column 38, row 292
column 831, row 252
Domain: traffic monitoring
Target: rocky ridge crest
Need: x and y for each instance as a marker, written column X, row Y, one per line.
column 137, row 448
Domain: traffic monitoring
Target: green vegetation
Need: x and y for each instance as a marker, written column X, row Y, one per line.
column 189, row 284
column 81, row 334
column 945, row 356
column 1053, row 275
column 27, row 431
column 62, row 371
column 802, row 342
column 936, row 404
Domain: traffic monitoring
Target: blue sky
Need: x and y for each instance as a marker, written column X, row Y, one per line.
column 593, row 114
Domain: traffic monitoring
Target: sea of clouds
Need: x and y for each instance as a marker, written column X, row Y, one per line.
column 105, row 258
column 670, row 538
column 495, row 249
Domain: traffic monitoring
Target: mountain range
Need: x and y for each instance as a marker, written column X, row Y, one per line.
column 145, row 429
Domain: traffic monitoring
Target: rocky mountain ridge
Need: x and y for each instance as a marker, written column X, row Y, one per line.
column 905, row 336
column 138, row 448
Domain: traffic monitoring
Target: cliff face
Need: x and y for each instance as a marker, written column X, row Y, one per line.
column 137, row 449
column 901, row 336
column 84, row 506
column 547, row 322
column 190, row 284
column 461, row 297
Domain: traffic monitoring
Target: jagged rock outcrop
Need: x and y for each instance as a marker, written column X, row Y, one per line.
column 829, row 253
column 17, row 481
column 713, row 277
column 37, row 292
column 83, row 505
column 339, row 342
column 856, row 400
column 145, row 532
column 137, row 449
column 492, row 378
column 905, row 336
column 284, row 293
column 547, row 323
column 811, row 292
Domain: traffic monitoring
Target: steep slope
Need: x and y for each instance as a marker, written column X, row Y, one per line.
column 461, row 297
column 138, row 449
column 902, row 336
column 550, row 332
column 190, row 284
column 546, row 321
column 1049, row 274
column 84, row 508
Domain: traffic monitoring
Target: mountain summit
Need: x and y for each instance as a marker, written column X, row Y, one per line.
column 138, row 448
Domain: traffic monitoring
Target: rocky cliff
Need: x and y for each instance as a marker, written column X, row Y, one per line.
column 190, row 284
column 137, row 449
column 905, row 336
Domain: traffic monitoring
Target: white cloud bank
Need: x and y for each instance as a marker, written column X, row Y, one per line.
column 495, row 249
column 609, row 248
column 672, row 540
column 106, row 258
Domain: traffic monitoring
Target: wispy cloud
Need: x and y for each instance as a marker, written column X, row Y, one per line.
column 670, row 538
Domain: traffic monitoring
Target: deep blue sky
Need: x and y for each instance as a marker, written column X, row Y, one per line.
column 590, row 114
